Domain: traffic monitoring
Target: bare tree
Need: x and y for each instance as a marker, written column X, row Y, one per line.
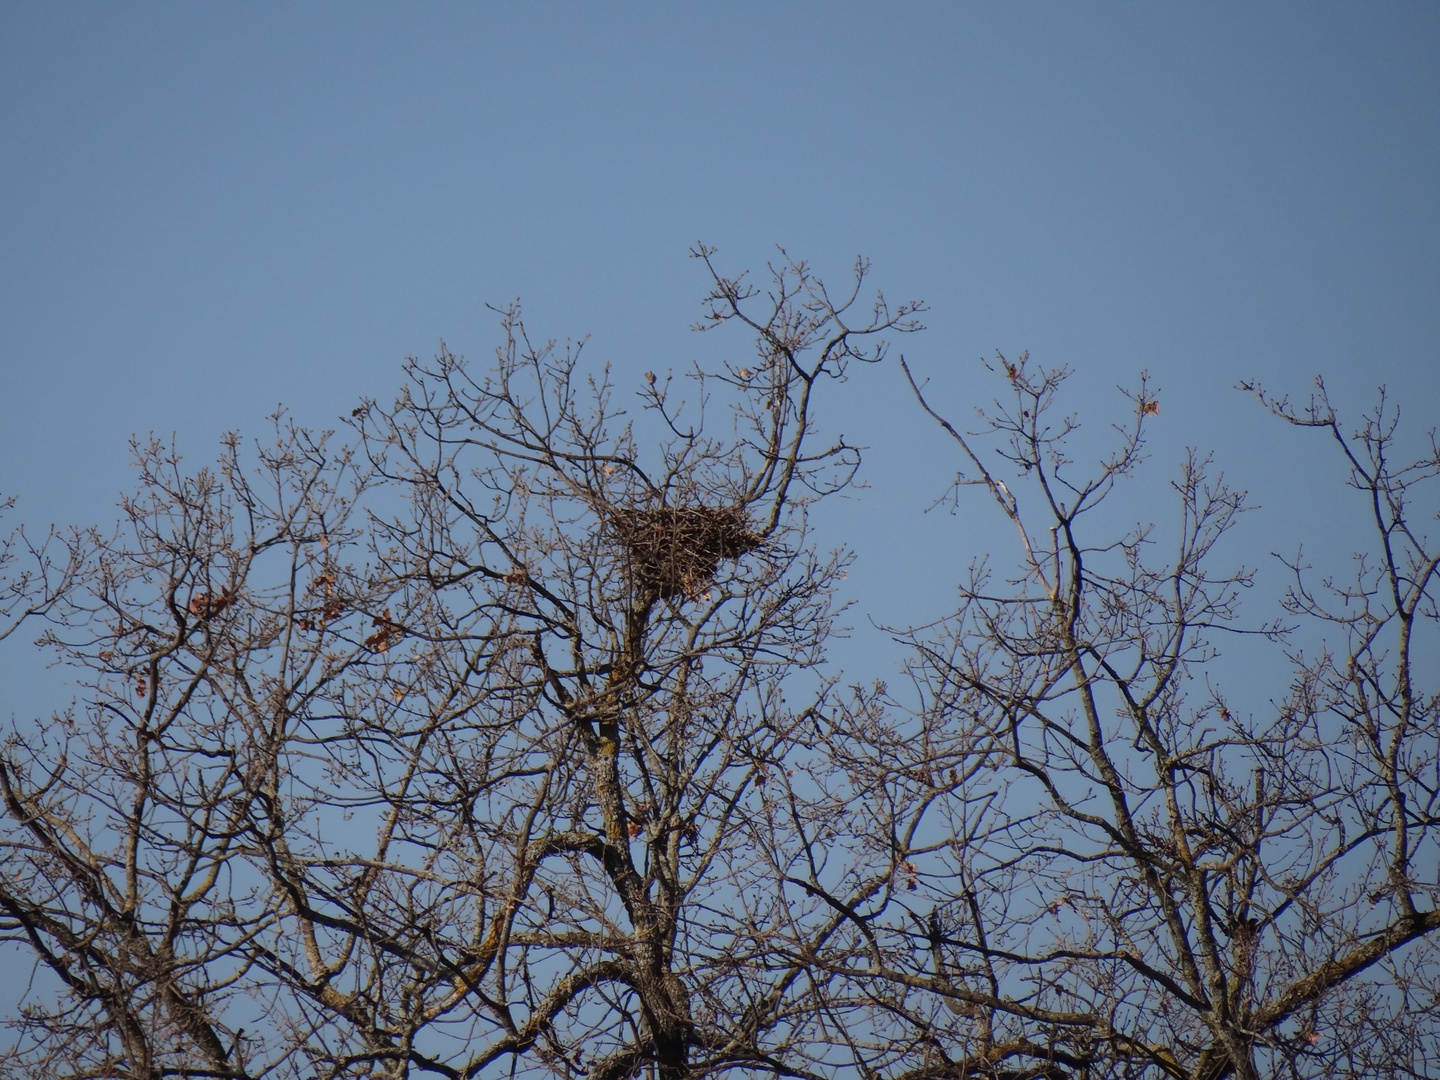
column 1090, row 860
column 493, row 740
column 446, row 753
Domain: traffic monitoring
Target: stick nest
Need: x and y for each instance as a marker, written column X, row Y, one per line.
column 676, row 550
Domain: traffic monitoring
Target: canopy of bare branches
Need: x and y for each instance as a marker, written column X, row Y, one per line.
column 495, row 738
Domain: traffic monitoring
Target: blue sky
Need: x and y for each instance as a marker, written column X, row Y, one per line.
column 206, row 210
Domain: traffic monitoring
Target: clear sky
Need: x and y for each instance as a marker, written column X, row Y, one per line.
column 207, row 209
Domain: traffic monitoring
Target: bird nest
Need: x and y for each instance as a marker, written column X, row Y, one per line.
column 676, row 550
